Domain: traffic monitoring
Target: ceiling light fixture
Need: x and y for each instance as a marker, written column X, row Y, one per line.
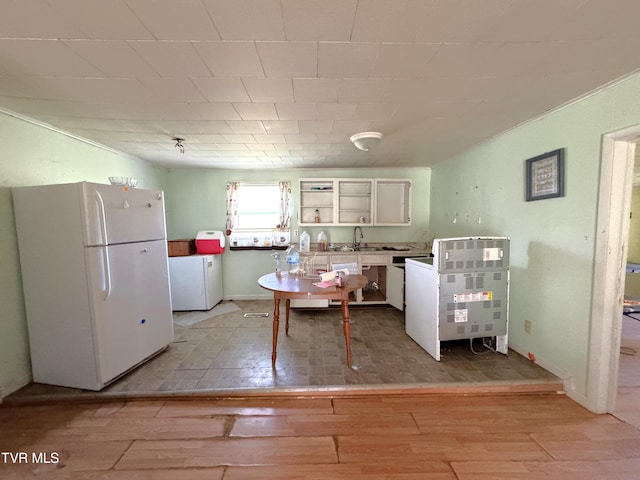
column 366, row 141
column 179, row 144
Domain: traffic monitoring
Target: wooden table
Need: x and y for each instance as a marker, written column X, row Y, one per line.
column 288, row 287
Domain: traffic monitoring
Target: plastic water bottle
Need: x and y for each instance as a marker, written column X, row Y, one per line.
column 304, row 242
column 293, row 260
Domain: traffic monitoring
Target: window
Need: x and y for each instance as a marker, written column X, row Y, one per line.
column 257, row 207
column 258, row 214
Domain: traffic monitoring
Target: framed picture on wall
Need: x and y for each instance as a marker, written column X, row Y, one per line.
column 545, row 175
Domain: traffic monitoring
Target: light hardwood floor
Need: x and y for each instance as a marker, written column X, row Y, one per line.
column 497, row 436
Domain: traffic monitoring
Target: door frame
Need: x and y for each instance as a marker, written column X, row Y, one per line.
column 610, row 256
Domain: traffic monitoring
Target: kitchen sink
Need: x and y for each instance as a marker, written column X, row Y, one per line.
column 368, row 249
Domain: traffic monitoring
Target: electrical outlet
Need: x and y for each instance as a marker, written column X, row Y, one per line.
column 527, row 326
column 295, row 232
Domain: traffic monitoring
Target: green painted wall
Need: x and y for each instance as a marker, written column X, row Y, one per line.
column 33, row 155
column 632, row 280
column 196, row 201
column 552, row 241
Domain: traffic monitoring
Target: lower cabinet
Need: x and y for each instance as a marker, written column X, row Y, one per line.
column 385, row 281
column 395, row 286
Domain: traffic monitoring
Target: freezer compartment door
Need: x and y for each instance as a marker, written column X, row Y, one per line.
column 131, row 300
column 115, row 214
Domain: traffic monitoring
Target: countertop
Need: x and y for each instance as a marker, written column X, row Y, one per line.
column 394, row 249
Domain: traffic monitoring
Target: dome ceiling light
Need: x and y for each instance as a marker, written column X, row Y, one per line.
column 366, row 141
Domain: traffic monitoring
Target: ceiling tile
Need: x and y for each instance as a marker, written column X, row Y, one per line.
column 43, row 57
column 195, row 127
column 256, row 111
column 112, row 20
column 239, row 138
column 279, row 126
column 297, row 111
column 336, row 111
column 346, row 60
column 315, row 126
column 183, row 20
column 270, row 138
column 261, row 147
column 314, row 90
column 404, row 61
column 226, row 147
column 269, row 89
column 247, row 19
column 222, row 89
column 172, row 89
column 113, row 58
column 349, row 127
column 385, row 21
column 318, row 19
column 363, row 90
column 552, row 21
column 230, row 59
column 44, row 21
column 172, row 59
column 214, row 111
column 371, row 112
column 460, row 21
column 300, row 138
column 246, row 126
column 118, row 90
column 293, row 59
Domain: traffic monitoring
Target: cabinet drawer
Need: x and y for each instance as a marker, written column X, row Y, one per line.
column 373, row 259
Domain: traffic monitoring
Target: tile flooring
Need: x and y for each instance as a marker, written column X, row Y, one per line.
column 231, row 352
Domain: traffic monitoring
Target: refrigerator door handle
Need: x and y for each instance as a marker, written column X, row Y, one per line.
column 102, row 218
column 107, row 273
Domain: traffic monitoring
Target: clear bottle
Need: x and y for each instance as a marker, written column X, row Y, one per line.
column 293, row 260
column 305, row 242
column 323, row 242
column 276, row 260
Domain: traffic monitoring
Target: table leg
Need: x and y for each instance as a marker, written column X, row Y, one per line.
column 347, row 329
column 288, row 307
column 276, row 323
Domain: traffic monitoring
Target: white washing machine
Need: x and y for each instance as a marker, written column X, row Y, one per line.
column 196, row 281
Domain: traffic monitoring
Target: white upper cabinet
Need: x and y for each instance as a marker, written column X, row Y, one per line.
column 354, row 201
column 317, row 201
column 392, row 201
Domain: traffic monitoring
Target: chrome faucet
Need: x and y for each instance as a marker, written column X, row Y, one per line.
column 356, row 243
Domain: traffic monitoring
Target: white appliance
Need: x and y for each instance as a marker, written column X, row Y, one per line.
column 460, row 293
column 196, row 281
column 96, row 281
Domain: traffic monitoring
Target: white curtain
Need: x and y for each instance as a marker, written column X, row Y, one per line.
column 285, row 205
column 232, row 205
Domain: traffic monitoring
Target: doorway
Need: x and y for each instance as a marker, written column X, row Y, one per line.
column 612, row 230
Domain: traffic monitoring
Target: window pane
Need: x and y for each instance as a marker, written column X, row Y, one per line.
column 258, row 206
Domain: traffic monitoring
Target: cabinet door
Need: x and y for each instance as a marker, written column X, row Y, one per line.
column 392, row 201
column 317, row 202
column 355, row 201
column 395, row 287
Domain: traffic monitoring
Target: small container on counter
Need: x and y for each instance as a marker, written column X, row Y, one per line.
column 323, row 242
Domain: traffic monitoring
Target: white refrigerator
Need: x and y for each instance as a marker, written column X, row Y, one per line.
column 196, row 281
column 95, row 277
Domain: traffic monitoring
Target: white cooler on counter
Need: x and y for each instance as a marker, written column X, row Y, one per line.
column 196, row 281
